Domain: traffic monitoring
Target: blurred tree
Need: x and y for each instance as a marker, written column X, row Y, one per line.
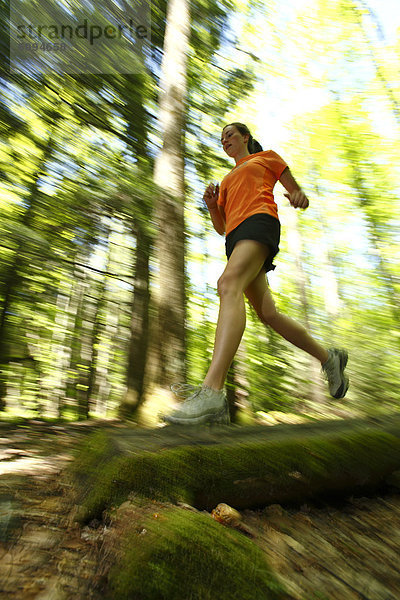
column 356, row 10
column 351, row 172
column 371, row 182
column 309, row 383
column 12, row 279
column 169, row 336
column 191, row 40
column 143, row 233
column 71, row 218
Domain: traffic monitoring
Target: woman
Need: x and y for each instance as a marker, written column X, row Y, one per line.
column 244, row 209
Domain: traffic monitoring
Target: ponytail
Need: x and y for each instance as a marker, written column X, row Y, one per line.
column 252, row 145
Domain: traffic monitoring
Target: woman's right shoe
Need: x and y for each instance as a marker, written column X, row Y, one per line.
column 333, row 369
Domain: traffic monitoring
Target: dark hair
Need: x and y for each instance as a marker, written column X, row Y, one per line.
column 252, row 145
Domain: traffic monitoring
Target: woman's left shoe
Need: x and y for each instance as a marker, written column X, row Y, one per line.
column 205, row 405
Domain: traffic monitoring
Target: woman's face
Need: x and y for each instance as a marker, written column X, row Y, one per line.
column 233, row 142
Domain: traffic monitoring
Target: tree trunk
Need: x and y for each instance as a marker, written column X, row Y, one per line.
column 372, row 216
column 55, row 384
column 78, row 363
column 169, row 333
column 100, row 304
column 295, row 244
column 139, row 338
column 390, row 92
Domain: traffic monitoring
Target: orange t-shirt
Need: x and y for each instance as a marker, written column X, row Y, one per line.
column 248, row 189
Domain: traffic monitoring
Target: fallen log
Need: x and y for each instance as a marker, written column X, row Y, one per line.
column 242, row 467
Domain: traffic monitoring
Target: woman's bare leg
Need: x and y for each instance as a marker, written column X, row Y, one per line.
column 260, row 297
column 243, row 267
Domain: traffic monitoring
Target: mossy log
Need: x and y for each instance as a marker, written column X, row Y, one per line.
column 178, row 554
column 243, row 467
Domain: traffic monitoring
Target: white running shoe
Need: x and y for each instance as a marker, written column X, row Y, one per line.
column 204, row 405
column 334, row 372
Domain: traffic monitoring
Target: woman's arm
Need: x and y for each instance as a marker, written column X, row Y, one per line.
column 217, row 219
column 296, row 196
column 210, row 197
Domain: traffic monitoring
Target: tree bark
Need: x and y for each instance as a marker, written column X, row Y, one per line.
column 169, row 333
column 295, row 243
column 139, row 338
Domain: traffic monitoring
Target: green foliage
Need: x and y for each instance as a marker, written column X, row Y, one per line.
column 66, row 189
column 77, row 154
column 188, row 555
column 271, row 362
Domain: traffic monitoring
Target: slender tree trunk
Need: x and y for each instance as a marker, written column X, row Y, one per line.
column 100, row 303
column 95, row 341
column 104, row 358
column 55, row 385
column 137, row 376
column 169, row 334
column 366, row 202
column 330, row 282
column 372, row 216
column 295, row 243
column 139, row 339
column 390, row 92
column 78, row 364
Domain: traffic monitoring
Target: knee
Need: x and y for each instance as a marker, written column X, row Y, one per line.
column 227, row 285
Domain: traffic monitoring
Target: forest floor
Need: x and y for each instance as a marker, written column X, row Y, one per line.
column 344, row 551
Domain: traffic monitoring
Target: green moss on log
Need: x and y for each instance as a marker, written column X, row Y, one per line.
column 96, row 456
column 188, row 555
column 245, row 475
column 97, row 450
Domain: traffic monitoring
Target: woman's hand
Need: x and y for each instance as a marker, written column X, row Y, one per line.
column 210, row 195
column 298, row 199
column 295, row 195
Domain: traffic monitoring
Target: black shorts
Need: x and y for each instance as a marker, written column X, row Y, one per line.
column 261, row 228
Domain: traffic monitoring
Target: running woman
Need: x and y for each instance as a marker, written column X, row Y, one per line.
column 244, row 209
